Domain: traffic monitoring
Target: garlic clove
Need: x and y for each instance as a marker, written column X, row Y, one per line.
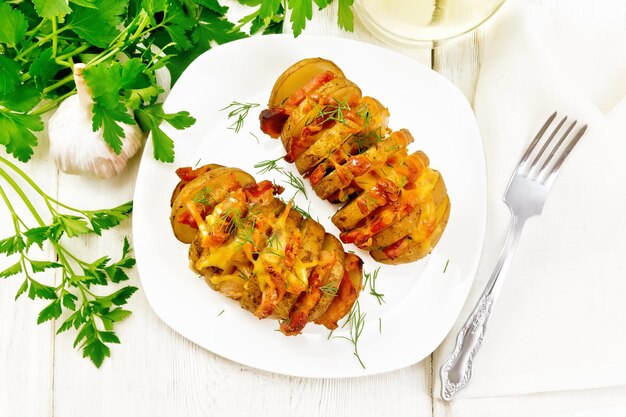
column 76, row 148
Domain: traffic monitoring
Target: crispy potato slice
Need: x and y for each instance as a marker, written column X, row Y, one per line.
column 331, row 281
column 418, row 242
column 340, row 89
column 374, row 156
column 407, row 223
column 349, row 290
column 182, row 183
column 326, row 143
column 207, row 189
column 294, row 77
column 313, row 302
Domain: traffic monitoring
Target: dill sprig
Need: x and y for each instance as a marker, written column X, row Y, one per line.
column 304, row 213
column 239, row 110
column 329, row 289
column 335, row 111
column 295, row 182
column 268, row 165
column 202, row 197
column 370, row 280
column 356, row 319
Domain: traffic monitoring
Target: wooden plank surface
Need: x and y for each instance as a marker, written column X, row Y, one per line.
column 155, row 371
column 26, row 349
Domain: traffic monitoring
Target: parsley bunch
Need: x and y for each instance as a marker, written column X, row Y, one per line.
column 92, row 315
column 40, row 41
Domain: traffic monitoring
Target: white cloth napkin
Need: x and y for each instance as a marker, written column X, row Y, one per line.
column 560, row 321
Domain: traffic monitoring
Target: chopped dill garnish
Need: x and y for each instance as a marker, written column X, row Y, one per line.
column 330, row 334
column 221, row 312
column 357, row 323
column 403, row 182
column 239, row 110
column 380, row 325
column 445, row 268
column 393, row 148
column 370, row 280
column 202, row 197
column 304, row 213
column 295, row 182
column 333, row 112
column 197, row 163
column 329, row 289
column 255, row 136
column 268, row 165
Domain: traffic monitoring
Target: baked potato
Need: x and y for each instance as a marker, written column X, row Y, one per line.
column 254, row 248
column 394, row 204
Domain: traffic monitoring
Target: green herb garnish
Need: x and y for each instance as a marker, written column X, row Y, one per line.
column 92, row 315
column 268, row 165
column 370, row 280
column 356, row 320
column 240, row 111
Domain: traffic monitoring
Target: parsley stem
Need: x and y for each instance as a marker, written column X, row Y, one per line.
column 53, row 104
column 71, row 255
column 34, row 30
column 121, row 44
column 41, row 41
column 38, row 189
column 58, row 84
column 76, row 51
column 14, row 215
column 23, row 196
column 55, row 41
column 21, row 174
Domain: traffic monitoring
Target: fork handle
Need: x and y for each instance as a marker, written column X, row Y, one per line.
column 456, row 371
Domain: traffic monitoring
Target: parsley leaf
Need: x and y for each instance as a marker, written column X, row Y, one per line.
column 14, row 269
column 301, row 11
column 43, row 69
column 16, row 132
column 51, row 311
column 22, row 99
column 345, row 18
column 269, row 8
column 36, row 235
column 323, row 3
column 150, row 119
column 13, row 25
column 11, row 245
column 213, row 5
column 51, row 8
column 71, row 225
column 218, row 29
column 108, row 218
column 108, row 82
column 9, row 75
column 98, row 24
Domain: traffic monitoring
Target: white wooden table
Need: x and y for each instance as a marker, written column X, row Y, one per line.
column 156, row 372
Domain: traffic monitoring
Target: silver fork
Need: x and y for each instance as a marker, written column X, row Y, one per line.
column 525, row 196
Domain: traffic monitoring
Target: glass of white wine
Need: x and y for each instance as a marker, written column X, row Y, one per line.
column 415, row 23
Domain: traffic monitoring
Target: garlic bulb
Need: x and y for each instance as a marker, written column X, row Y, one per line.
column 76, row 148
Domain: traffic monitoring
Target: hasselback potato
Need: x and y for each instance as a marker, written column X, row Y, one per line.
column 394, row 204
column 254, row 248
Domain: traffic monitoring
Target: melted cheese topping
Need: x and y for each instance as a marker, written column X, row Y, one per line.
column 235, row 259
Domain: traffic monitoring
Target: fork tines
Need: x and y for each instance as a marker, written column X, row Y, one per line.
column 537, row 164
